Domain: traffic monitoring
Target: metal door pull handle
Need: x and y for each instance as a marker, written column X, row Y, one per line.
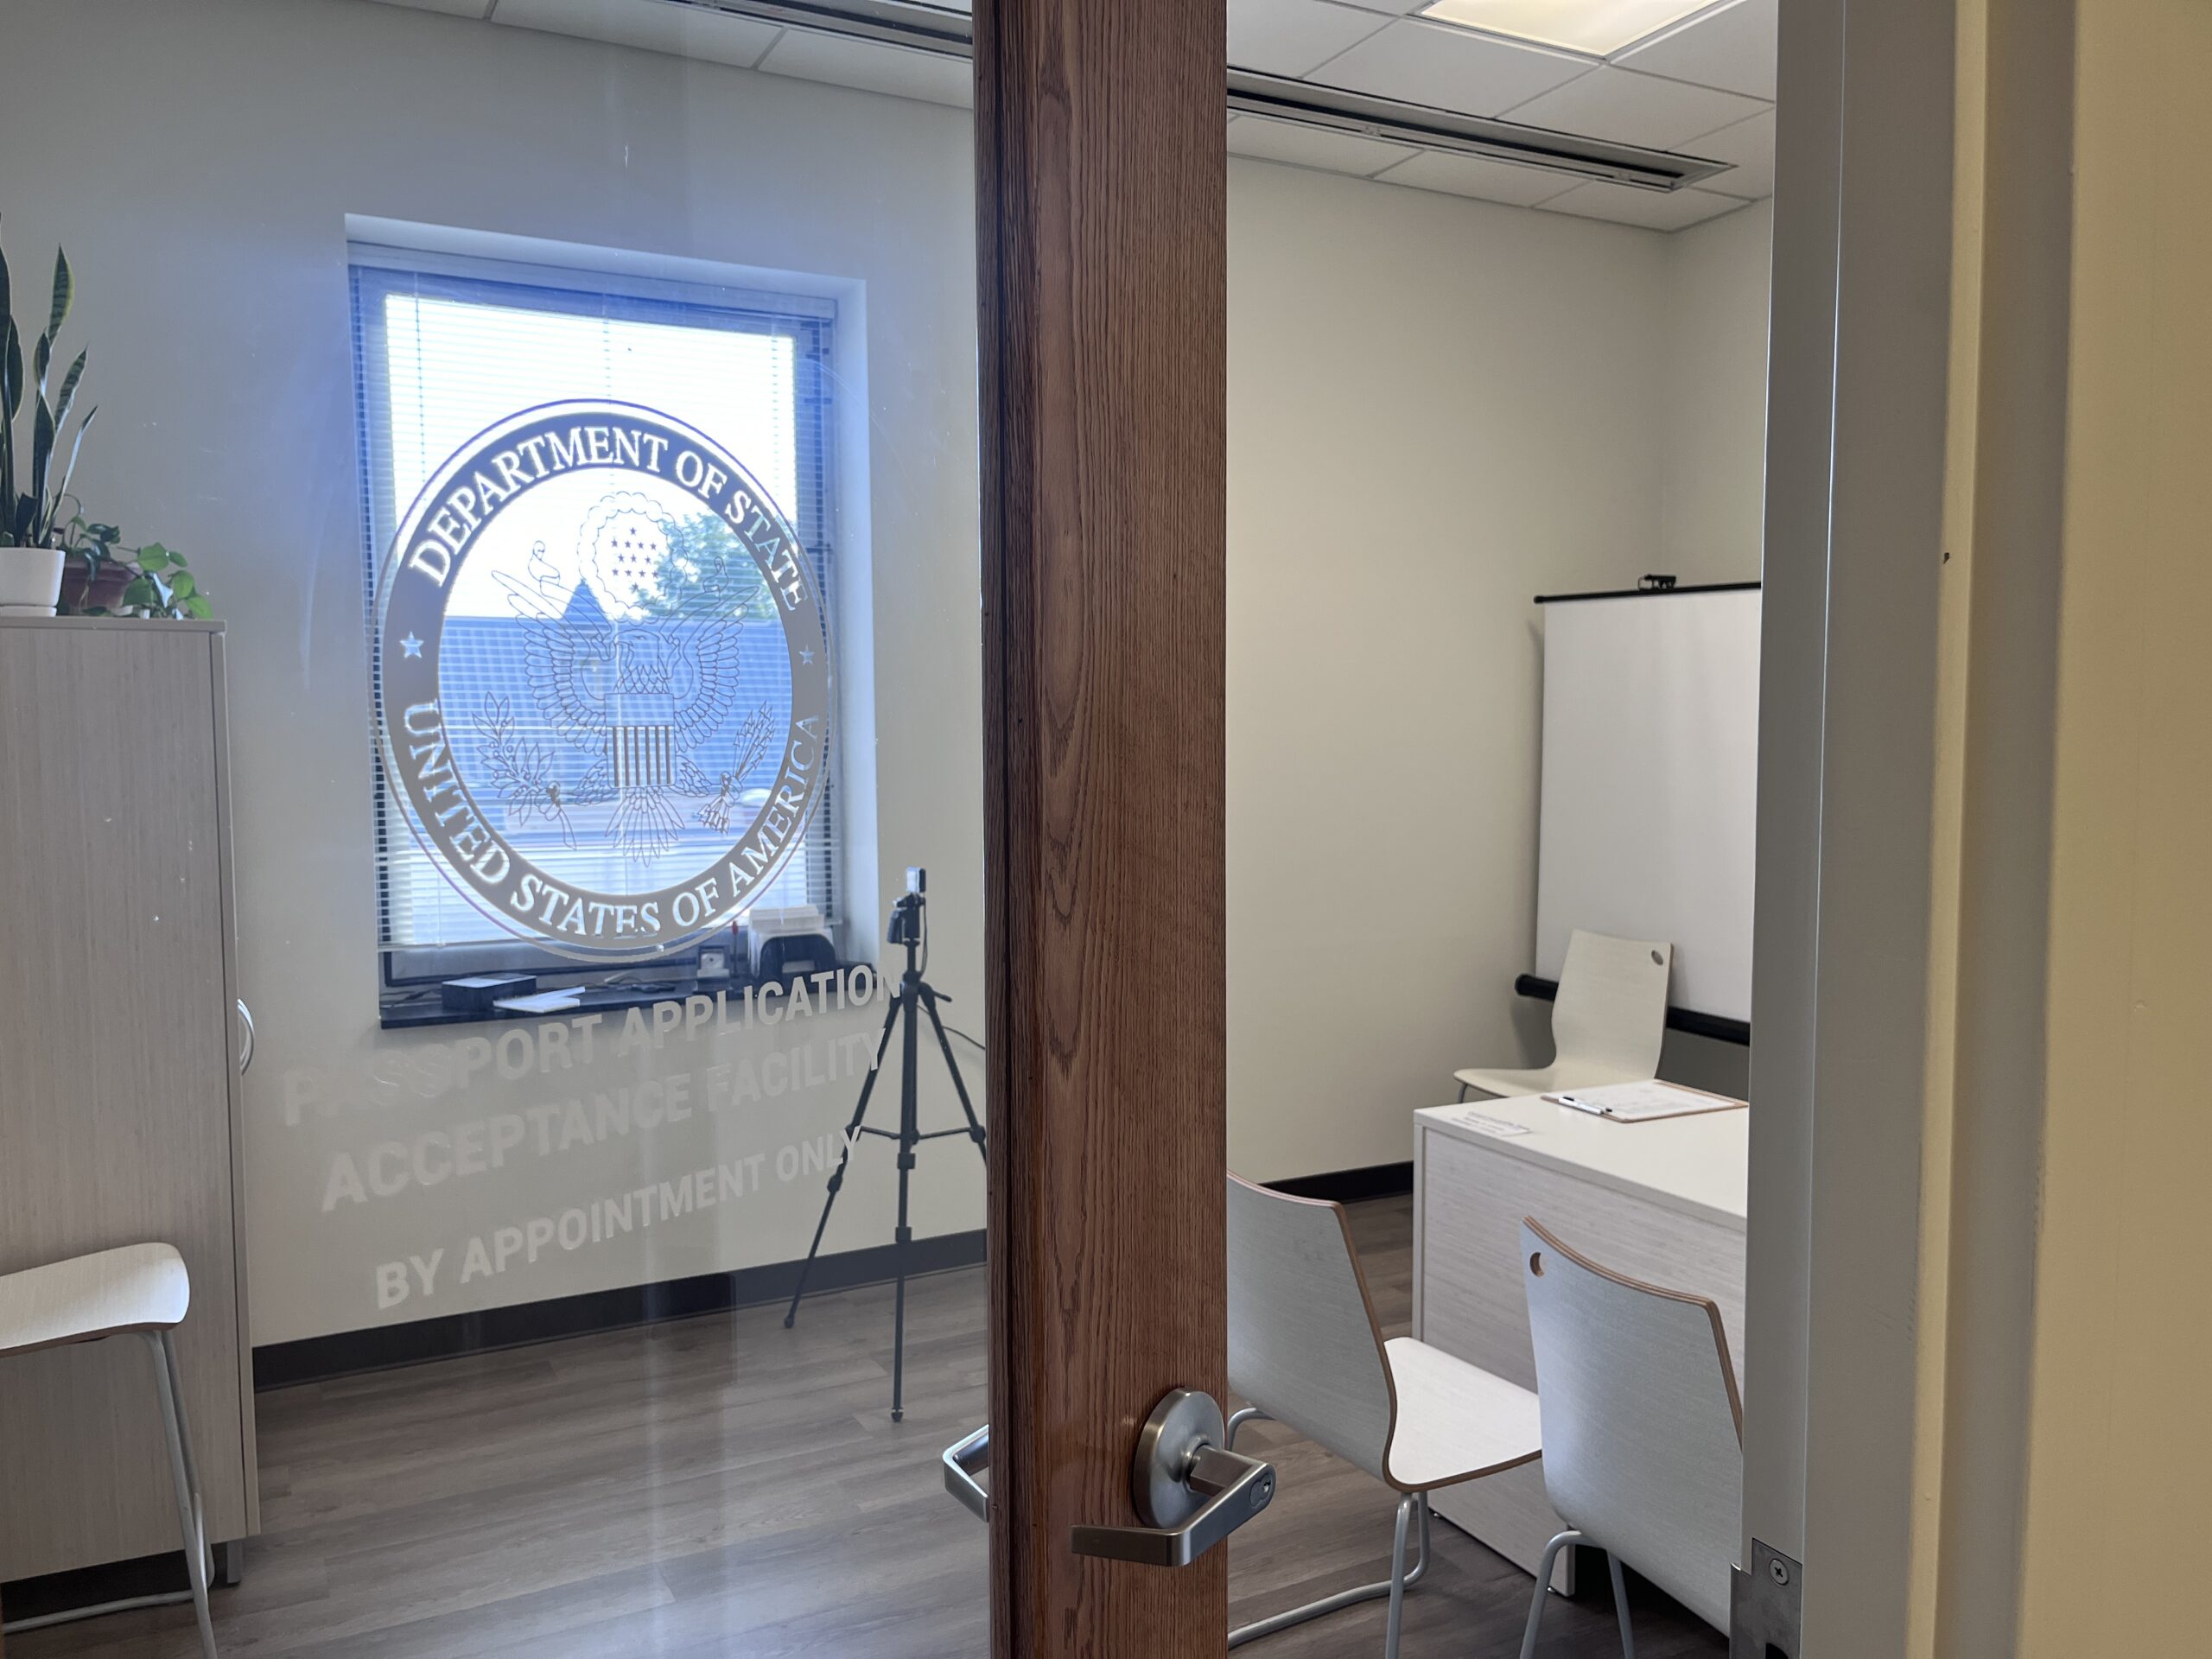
column 1191, row 1491
column 245, row 1037
column 963, row 1460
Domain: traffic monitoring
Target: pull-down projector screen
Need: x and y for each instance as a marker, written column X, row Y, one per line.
column 1651, row 718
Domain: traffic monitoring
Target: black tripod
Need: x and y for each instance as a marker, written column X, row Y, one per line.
column 907, row 928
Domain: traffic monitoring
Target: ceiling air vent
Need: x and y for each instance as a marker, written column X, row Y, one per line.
column 945, row 32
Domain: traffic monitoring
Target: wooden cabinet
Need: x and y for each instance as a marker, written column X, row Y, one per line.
column 120, row 1055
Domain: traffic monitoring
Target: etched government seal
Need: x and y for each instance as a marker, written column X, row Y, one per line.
column 603, row 679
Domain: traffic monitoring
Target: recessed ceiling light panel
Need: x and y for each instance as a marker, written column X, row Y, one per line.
column 1600, row 28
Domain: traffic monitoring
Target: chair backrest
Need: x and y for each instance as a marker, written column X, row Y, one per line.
column 1612, row 1010
column 1643, row 1427
column 1303, row 1342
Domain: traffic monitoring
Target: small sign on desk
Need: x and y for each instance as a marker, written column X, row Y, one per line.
column 1484, row 1123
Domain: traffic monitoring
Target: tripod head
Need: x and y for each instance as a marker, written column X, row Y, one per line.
column 908, row 925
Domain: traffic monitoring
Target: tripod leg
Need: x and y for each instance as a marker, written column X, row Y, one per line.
column 904, row 1238
column 909, row 1132
column 959, row 1085
column 899, row 1343
column 837, row 1175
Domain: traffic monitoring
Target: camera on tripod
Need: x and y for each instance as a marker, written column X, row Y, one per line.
column 906, row 925
column 914, row 1000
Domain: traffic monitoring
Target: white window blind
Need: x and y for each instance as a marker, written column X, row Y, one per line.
column 443, row 348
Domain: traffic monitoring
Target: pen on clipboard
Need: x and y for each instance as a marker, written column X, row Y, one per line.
column 1594, row 1107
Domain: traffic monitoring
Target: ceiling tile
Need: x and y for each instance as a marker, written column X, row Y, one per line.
column 1655, row 210
column 901, row 70
column 655, row 25
column 1293, row 37
column 1305, row 146
column 1632, row 109
column 1474, row 175
column 1731, row 48
column 1447, row 68
column 1748, row 147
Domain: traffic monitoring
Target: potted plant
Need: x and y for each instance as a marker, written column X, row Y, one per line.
column 51, row 557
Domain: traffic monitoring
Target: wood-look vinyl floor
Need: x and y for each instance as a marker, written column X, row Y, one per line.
column 722, row 1486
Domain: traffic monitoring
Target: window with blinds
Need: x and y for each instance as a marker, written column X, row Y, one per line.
column 445, row 348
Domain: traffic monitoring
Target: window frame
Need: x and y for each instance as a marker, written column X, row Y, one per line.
column 375, row 270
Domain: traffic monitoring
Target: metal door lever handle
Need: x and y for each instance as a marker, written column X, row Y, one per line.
column 1190, row 1490
column 963, row 1460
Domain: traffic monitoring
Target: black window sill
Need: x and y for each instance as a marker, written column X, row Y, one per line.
column 427, row 1009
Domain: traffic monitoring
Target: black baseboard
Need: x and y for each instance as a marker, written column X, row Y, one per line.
column 316, row 1360
column 95, row 1586
column 1350, row 1186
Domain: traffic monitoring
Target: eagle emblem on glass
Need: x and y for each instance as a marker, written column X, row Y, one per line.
column 603, row 679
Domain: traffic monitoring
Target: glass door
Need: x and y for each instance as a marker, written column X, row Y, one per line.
column 505, row 812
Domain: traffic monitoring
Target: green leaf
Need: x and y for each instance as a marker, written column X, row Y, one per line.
column 6, row 309
column 153, row 556
column 11, row 371
column 198, row 607
column 11, row 380
column 68, row 394
column 42, row 357
column 41, row 450
column 65, row 290
column 139, row 590
column 182, row 585
column 70, row 470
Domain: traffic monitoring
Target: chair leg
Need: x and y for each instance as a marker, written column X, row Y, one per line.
column 1406, row 1507
column 1237, row 1419
column 1395, row 1586
column 191, row 1518
column 1543, row 1589
column 1421, row 1560
column 1620, row 1606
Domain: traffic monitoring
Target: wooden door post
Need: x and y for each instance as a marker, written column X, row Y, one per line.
column 1102, row 231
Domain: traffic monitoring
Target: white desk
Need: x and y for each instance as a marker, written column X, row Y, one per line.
column 1661, row 1201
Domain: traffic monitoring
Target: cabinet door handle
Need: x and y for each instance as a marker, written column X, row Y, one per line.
column 963, row 1460
column 1190, row 1490
column 245, row 1037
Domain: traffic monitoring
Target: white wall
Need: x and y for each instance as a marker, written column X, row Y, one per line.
column 1439, row 409
column 1713, row 496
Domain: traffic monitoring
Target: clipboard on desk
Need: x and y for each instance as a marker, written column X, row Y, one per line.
column 1643, row 1103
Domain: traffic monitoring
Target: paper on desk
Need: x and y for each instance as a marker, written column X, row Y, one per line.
column 543, row 1002
column 1641, row 1102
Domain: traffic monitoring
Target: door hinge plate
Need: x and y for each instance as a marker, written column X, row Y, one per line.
column 1767, row 1606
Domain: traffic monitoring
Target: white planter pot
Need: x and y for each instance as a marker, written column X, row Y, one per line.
column 30, row 580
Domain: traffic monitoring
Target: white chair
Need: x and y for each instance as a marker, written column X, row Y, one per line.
column 141, row 1290
column 1643, row 1428
column 1304, row 1349
column 1607, row 1025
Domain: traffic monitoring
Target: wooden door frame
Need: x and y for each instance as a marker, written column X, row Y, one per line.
column 1102, row 230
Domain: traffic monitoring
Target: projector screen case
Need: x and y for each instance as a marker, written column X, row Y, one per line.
column 1650, row 793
